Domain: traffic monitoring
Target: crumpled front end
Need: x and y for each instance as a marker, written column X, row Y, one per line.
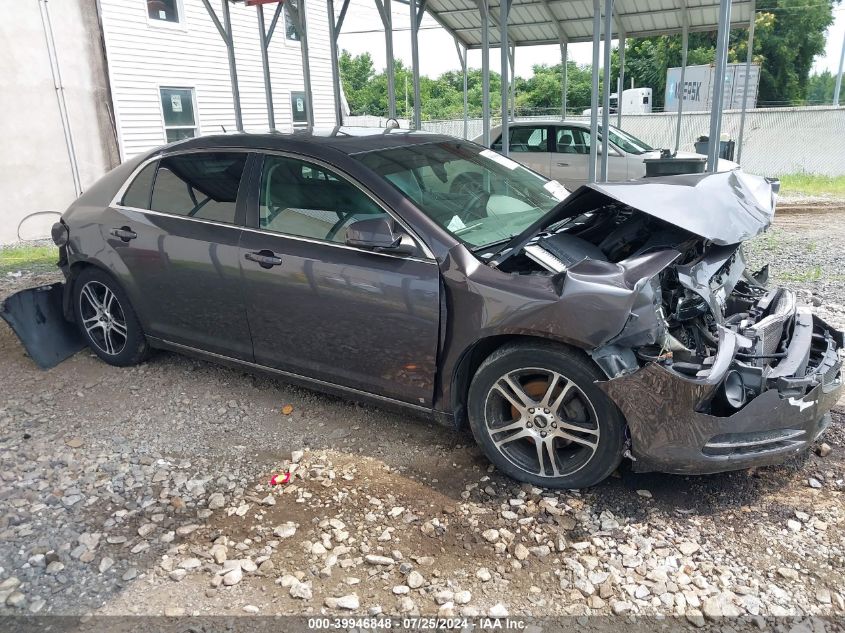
column 736, row 375
column 712, row 370
column 762, row 397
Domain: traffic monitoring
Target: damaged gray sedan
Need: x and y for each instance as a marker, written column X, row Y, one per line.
column 568, row 330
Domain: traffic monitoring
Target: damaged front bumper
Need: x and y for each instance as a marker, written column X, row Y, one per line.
column 671, row 421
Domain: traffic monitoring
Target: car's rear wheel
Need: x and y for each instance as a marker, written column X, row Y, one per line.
column 539, row 417
column 106, row 319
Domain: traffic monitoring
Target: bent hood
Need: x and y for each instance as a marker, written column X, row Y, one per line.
column 725, row 207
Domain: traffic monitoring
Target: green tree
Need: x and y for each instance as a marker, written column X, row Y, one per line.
column 791, row 34
column 820, row 88
column 356, row 73
column 788, row 35
column 541, row 91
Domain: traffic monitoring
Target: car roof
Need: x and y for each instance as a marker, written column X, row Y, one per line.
column 544, row 122
column 347, row 140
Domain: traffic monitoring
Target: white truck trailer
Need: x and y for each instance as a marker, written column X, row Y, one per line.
column 634, row 101
column 697, row 90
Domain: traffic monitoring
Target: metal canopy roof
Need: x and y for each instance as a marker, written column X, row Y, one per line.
column 532, row 22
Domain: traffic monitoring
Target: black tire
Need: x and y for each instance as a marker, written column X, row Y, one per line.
column 581, row 426
column 114, row 334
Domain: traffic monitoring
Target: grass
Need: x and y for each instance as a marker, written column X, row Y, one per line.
column 812, row 185
column 14, row 258
column 809, row 274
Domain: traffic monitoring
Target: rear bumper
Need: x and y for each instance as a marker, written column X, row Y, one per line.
column 669, row 433
column 36, row 316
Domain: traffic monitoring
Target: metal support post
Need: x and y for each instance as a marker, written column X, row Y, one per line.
column 719, row 85
column 605, row 112
column 594, row 97
column 680, row 90
column 504, row 6
column 748, row 60
column 225, row 30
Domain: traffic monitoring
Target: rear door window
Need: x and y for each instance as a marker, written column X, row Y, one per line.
column 137, row 195
column 201, row 185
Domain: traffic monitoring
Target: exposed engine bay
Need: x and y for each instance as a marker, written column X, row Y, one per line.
column 704, row 317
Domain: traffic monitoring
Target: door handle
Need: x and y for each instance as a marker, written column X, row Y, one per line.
column 124, row 233
column 265, row 259
column 563, row 164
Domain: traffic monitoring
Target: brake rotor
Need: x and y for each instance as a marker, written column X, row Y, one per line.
column 534, row 388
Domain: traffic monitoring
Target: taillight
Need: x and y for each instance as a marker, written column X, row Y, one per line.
column 60, row 234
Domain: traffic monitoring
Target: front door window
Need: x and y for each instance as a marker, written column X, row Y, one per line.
column 306, row 200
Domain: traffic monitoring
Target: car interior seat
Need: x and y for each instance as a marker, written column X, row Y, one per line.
column 566, row 144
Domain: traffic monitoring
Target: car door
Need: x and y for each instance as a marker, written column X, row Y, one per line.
column 529, row 146
column 320, row 308
column 571, row 158
column 618, row 164
column 176, row 232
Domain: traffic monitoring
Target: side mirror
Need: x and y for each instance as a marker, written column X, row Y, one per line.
column 380, row 235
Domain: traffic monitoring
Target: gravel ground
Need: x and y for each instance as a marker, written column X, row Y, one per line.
column 145, row 491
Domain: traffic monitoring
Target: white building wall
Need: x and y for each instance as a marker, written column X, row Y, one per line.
column 36, row 182
column 145, row 54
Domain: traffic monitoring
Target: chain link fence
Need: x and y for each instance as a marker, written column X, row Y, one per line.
column 777, row 141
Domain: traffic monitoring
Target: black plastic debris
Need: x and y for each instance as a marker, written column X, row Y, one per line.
column 35, row 315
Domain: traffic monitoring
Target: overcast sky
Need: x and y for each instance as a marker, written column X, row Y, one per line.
column 362, row 32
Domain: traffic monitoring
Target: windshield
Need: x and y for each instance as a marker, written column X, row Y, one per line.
column 477, row 195
column 627, row 143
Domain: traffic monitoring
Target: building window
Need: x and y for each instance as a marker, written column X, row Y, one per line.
column 291, row 25
column 164, row 10
column 177, row 106
column 297, row 106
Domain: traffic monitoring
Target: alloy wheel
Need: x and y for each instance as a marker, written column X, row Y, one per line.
column 103, row 317
column 542, row 422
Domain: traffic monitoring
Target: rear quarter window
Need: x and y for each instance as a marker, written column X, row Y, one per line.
column 137, row 195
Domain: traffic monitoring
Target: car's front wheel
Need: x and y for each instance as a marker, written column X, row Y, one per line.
column 106, row 319
column 539, row 417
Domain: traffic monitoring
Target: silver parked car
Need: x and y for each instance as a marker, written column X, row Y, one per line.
column 560, row 150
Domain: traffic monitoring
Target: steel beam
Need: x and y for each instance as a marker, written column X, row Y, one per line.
column 504, row 7
column 719, row 85
column 512, row 57
column 563, row 42
column 621, row 82
column 383, row 7
column 417, row 8
column 225, row 30
column 483, row 9
column 564, row 78
column 605, row 112
column 748, row 60
column 265, row 66
column 838, row 87
column 594, row 97
column 684, row 51
column 334, row 32
column 462, row 56
column 649, row 13
column 297, row 12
